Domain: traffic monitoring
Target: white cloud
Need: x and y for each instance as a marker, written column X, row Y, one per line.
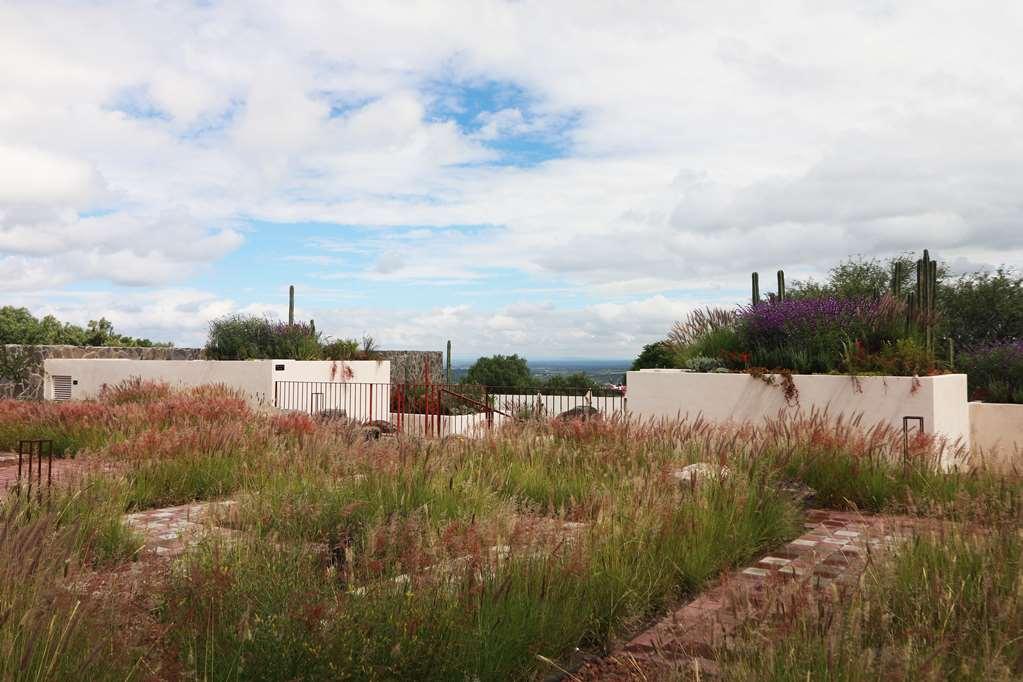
column 696, row 143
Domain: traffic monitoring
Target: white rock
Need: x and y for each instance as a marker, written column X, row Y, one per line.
column 699, row 470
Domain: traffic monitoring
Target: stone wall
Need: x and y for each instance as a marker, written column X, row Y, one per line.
column 407, row 365
column 21, row 367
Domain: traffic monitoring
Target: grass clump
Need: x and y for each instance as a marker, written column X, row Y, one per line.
column 947, row 606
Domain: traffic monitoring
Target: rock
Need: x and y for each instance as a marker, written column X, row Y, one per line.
column 581, row 412
column 331, row 416
column 700, row 470
column 369, row 433
column 384, row 426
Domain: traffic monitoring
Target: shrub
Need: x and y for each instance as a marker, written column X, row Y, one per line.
column 657, row 355
column 983, row 307
column 995, row 371
column 246, row 337
column 807, row 335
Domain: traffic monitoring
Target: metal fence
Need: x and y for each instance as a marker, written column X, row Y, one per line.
column 442, row 409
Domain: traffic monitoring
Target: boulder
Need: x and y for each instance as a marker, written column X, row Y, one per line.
column 331, row 416
column 581, row 412
column 384, row 426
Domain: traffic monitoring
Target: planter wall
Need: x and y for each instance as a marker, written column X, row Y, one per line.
column 940, row 400
column 996, row 433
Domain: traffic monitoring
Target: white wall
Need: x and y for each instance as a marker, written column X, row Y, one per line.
column 996, row 430
column 940, row 400
column 314, row 385
column 360, row 387
column 553, row 405
column 252, row 377
column 472, row 425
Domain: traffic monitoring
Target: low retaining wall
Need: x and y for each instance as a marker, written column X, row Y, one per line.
column 22, row 365
column 996, row 432
column 939, row 400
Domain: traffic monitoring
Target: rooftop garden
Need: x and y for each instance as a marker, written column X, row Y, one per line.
column 865, row 319
column 516, row 556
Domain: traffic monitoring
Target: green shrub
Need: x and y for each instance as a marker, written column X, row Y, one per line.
column 995, row 372
column 246, row 337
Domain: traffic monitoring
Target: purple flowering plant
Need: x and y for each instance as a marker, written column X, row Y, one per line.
column 808, row 335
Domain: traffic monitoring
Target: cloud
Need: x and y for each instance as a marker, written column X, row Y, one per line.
column 623, row 164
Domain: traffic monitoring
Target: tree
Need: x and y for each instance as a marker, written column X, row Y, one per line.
column 983, row 306
column 19, row 326
column 502, row 371
column 658, row 355
column 859, row 277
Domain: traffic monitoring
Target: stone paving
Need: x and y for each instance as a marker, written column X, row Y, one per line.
column 834, row 549
column 169, row 531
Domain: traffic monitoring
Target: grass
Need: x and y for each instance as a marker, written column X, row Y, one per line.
column 947, row 606
column 414, row 559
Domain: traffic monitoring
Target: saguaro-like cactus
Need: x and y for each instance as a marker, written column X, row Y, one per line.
column 781, row 285
column 756, row 288
column 897, row 275
column 291, row 304
column 925, row 310
column 447, row 367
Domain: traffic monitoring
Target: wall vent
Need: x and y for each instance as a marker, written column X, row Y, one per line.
column 61, row 387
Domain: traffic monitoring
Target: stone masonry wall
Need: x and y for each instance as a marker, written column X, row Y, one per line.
column 21, row 367
column 407, row 365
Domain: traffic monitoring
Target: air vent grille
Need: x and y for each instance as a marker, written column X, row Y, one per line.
column 61, row 387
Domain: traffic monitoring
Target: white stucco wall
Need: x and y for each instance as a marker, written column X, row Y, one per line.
column 318, row 385
column 996, row 431
column 940, row 400
column 252, row 377
column 359, row 388
column 471, row 425
column 355, row 371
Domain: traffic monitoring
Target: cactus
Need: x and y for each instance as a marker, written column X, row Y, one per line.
column 781, row 285
column 447, row 367
column 897, row 279
column 291, row 304
column 756, row 288
column 923, row 302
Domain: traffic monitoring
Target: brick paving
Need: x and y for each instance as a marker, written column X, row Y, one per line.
column 64, row 469
column 834, row 549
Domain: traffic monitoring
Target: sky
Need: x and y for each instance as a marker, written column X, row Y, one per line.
column 555, row 179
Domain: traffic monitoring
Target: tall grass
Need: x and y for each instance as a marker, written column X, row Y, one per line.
column 248, row 610
column 48, row 628
column 947, row 606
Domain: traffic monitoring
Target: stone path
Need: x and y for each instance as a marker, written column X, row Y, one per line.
column 169, row 531
column 834, row 549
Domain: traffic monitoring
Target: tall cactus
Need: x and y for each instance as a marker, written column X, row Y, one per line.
column 756, row 288
column 447, row 367
column 924, row 312
column 897, row 275
column 291, row 304
column 781, row 285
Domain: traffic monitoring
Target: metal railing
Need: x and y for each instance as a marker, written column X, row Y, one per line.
column 442, row 409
